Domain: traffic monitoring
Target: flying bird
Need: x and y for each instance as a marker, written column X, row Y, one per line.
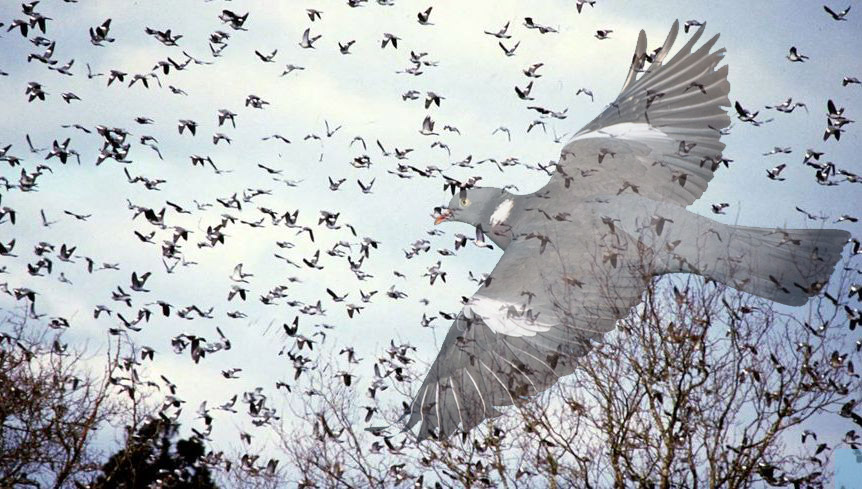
column 603, row 34
column 423, row 17
column 502, row 33
column 579, row 252
column 795, row 56
column 267, row 58
column 308, row 40
column 842, row 15
column 509, row 51
column 580, row 5
column 691, row 23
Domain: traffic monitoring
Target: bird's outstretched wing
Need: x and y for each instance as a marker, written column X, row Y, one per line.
column 661, row 136
column 538, row 312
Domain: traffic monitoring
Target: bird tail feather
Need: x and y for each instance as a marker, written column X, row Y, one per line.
column 784, row 265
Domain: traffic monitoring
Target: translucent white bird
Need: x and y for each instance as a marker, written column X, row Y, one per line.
column 579, row 252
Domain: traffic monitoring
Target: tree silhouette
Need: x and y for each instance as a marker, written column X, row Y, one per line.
column 51, row 404
column 151, row 459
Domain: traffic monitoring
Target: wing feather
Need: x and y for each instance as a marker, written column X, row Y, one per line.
column 637, row 60
column 681, row 101
column 480, row 369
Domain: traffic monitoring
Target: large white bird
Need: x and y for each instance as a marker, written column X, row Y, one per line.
column 580, row 251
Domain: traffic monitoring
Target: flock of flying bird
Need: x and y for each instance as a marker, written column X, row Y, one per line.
column 131, row 304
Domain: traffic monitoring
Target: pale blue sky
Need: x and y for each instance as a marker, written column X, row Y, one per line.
column 362, row 92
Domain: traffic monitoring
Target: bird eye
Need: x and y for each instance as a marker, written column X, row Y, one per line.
column 465, row 202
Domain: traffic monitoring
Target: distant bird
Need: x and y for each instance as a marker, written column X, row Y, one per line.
column 115, row 75
column 99, row 34
column 277, row 136
column 308, row 40
column 234, row 20
column 811, row 216
column 34, row 91
column 580, row 4
column 32, row 148
column 836, row 114
column 45, row 57
column 336, row 297
column 226, row 115
column 334, row 185
column 6, row 248
column 313, row 261
column 345, row 48
column 187, row 124
column 778, row 150
column 288, row 69
column 509, row 52
column 366, row 188
column 720, row 207
column 691, row 23
column 389, row 39
column 90, row 74
column 835, row 120
column 236, row 290
column 266, row 58
column 587, row 92
column 255, row 102
column 530, row 72
column 788, row 106
column 837, row 16
column 330, row 131
column 62, row 151
column 503, row 130
column 424, row 16
column 138, row 282
column 432, row 98
column 163, row 37
column 427, row 127
column 795, row 57
column 530, row 24
column 502, row 33
column 524, row 93
column 746, row 115
column 603, row 34
column 774, row 174
column 221, row 137
column 45, row 222
column 238, row 275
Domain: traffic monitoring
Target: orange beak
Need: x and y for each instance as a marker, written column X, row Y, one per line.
column 444, row 214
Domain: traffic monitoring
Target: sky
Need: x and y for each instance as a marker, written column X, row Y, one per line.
column 362, row 94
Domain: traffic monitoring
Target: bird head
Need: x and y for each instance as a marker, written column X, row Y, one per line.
column 471, row 205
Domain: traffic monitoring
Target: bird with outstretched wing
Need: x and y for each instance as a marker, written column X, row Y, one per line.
column 579, row 252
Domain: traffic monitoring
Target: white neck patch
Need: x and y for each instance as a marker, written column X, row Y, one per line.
column 501, row 213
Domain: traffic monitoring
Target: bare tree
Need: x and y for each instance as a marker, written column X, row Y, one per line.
column 51, row 405
column 703, row 387
column 700, row 386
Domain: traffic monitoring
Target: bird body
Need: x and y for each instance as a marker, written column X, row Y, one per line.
column 579, row 252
